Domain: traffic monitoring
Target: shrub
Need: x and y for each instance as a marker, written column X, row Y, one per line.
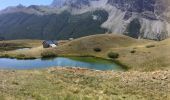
column 20, row 56
column 5, row 56
column 48, row 54
column 133, row 51
column 150, row 46
column 113, row 55
column 97, row 49
column 15, row 83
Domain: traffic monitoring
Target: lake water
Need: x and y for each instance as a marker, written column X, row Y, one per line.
column 23, row 49
column 83, row 62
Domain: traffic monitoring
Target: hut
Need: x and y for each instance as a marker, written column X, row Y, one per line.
column 49, row 44
column 71, row 39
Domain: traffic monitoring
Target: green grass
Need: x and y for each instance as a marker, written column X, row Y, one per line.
column 113, row 55
column 18, row 44
column 91, row 59
column 48, row 54
column 150, row 46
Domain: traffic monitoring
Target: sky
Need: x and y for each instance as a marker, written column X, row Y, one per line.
column 6, row 3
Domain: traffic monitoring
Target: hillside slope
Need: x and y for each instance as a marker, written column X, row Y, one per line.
column 51, row 26
column 147, row 55
column 104, row 41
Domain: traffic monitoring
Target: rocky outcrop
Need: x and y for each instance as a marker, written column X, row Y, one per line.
column 151, row 15
column 148, row 14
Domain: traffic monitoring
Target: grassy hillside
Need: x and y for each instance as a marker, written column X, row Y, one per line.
column 82, row 84
column 17, row 44
column 86, row 45
column 142, row 55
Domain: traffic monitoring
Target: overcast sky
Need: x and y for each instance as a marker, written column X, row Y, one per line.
column 6, row 3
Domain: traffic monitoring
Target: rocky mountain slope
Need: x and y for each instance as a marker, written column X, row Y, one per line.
column 45, row 22
column 75, row 18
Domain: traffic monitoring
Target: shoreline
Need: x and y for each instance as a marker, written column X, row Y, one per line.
column 111, row 60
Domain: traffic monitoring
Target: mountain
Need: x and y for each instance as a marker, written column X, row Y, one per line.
column 46, row 22
column 65, row 19
column 58, row 3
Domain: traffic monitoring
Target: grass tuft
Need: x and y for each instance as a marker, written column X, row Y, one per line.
column 48, row 54
column 113, row 55
column 97, row 49
column 150, row 46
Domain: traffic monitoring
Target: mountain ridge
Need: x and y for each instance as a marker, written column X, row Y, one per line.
column 136, row 18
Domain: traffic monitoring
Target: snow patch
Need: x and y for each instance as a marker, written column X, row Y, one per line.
column 95, row 17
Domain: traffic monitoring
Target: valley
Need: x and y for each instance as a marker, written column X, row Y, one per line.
column 85, row 50
column 141, row 55
column 144, row 59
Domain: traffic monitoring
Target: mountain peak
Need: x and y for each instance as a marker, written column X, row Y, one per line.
column 58, row 3
column 71, row 3
column 20, row 6
column 76, row 3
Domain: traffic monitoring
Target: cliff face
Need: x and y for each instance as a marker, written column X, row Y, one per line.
column 141, row 18
column 136, row 18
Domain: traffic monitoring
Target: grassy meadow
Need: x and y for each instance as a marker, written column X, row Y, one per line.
column 147, row 77
column 83, row 84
